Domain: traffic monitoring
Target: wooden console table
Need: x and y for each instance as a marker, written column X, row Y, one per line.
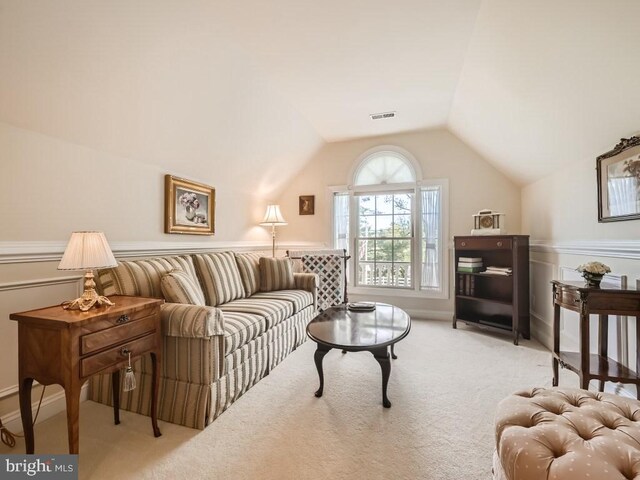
column 69, row 346
column 603, row 302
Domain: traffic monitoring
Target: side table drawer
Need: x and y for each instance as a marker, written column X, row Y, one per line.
column 118, row 319
column 483, row 243
column 111, row 336
column 114, row 356
column 567, row 297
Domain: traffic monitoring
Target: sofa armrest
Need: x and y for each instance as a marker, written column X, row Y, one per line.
column 191, row 321
column 308, row 282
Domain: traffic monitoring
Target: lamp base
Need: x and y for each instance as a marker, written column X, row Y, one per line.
column 89, row 298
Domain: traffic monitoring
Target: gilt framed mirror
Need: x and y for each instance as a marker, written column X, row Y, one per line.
column 618, row 174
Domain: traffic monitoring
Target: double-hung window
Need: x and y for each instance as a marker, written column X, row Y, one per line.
column 392, row 224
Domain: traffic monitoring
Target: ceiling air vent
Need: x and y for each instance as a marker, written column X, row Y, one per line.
column 379, row 116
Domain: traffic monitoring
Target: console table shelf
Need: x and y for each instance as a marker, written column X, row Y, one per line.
column 599, row 366
column 585, row 301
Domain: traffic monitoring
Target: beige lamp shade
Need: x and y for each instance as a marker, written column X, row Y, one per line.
column 86, row 251
column 273, row 216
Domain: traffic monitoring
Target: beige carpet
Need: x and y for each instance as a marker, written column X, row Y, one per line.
column 444, row 388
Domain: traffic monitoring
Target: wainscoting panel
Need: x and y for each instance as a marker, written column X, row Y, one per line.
column 21, row 296
column 541, row 309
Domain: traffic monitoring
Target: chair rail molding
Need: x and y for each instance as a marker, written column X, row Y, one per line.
column 39, row 282
column 629, row 249
column 37, row 251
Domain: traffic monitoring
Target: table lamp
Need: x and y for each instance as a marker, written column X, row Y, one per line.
column 273, row 218
column 86, row 251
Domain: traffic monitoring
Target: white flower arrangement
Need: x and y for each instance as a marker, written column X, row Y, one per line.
column 596, row 268
column 189, row 199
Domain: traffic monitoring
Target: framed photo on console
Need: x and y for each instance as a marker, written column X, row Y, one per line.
column 619, row 182
column 189, row 207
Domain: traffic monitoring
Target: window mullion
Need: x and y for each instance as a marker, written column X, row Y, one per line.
column 417, row 240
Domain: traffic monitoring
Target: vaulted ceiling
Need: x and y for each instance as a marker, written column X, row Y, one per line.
column 531, row 85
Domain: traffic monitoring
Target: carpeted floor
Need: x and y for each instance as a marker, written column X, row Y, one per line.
column 444, row 388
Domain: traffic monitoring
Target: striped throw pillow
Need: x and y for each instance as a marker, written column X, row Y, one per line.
column 179, row 287
column 220, row 277
column 249, row 266
column 142, row 277
column 276, row 274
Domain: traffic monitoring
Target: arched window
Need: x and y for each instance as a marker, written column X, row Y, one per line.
column 391, row 221
column 384, row 168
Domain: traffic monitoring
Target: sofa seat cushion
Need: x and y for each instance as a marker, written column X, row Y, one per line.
column 300, row 299
column 241, row 355
column 241, row 328
column 272, row 310
column 220, row 277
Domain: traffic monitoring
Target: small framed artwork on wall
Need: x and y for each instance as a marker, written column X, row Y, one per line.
column 189, row 207
column 307, row 205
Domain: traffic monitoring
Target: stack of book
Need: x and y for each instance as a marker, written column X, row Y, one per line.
column 470, row 264
column 499, row 270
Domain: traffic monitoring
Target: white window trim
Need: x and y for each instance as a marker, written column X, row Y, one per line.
column 416, row 291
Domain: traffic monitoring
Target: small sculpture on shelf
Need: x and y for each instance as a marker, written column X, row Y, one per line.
column 593, row 272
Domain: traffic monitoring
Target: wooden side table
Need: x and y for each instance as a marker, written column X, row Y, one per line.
column 603, row 302
column 67, row 347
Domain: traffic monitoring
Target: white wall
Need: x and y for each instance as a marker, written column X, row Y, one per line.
column 560, row 212
column 98, row 101
column 473, row 185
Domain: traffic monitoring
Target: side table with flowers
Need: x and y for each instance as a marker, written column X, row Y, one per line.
column 593, row 272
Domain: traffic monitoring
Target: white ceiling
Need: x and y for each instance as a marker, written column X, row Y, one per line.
column 531, row 85
column 338, row 61
column 548, row 83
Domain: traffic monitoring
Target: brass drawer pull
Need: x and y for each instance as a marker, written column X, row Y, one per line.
column 499, row 244
column 464, row 244
column 122, row 319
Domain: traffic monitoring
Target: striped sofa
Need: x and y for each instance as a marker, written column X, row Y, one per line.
column 212, row 353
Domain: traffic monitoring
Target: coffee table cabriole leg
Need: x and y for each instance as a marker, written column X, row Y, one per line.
column 393, row 351
column 382, row 356
column 321, row 351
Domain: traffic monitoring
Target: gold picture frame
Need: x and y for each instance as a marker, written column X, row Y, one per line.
column 189, row 207
column 307, row 205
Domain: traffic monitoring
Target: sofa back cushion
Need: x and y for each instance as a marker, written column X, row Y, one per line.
column 249, row 266
column 142, row 277
column 219, row 277
column 180, row 287
column 276, row 274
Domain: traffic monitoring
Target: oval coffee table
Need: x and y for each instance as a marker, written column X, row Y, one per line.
column 351, row 331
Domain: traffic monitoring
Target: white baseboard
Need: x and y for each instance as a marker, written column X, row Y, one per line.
column 51, row 405
column 430, row 315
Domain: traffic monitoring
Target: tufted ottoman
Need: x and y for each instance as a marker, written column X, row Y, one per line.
column 566, row 434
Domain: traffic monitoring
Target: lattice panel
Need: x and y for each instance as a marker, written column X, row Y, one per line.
column 330, row 269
